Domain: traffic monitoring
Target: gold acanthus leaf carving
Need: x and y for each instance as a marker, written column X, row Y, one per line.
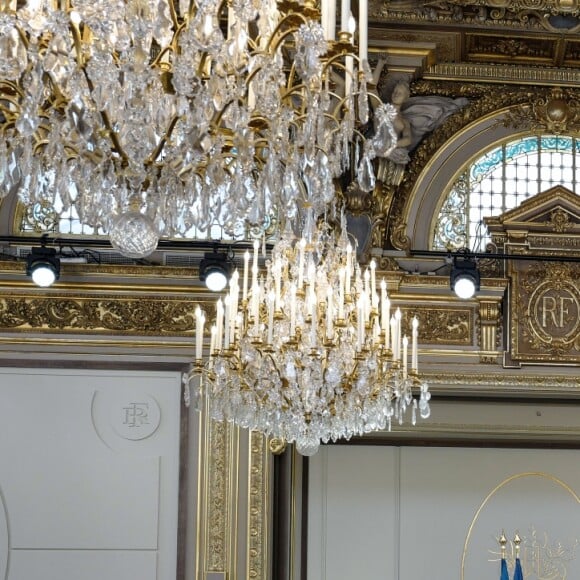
column 217, row 495
column 108, row 315
column 556, row 112
column 442, row 326
column 560, row 221
column 257, row 501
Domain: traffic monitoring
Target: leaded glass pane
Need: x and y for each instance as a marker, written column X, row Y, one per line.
column 500, row 180
column 451, row 225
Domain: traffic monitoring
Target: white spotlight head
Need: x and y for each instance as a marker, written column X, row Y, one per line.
column 216, row 280
column 465, row 278
column 215, row 270
column 464, row 287
column 43, row 275
column 43, row 266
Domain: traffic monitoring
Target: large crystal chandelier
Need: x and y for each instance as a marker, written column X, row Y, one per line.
column 310, row 352
column 152, row 117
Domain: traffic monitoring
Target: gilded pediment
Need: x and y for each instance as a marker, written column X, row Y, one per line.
column 553, row 212
column 542, row 236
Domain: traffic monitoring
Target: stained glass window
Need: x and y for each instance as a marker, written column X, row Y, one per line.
column 500, row 180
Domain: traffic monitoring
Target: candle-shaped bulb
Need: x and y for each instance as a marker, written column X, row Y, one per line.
column 348, row 270
column 199, row 321
column 405, row 351
column 351, row 24
column 212, row 339
column 374, row 297
column 245, row 279
column 255, row 263
column 414, row 350
column 292, row 309
column 329, row 313
column 271, row 307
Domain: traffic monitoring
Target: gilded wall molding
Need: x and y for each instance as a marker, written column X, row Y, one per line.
column 218, row 502
column 97, row 314
column 437, row 325
column 258, row 499
column 504, row 382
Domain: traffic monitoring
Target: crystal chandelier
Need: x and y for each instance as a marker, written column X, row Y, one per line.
column 309, row 352
column 148, row 118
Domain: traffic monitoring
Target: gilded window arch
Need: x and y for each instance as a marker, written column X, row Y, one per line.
column 500, row 179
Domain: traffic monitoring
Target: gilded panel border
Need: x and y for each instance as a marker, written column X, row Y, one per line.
column 97, row 314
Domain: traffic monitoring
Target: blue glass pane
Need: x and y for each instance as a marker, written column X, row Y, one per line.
column 556, row 143
column 486, row 163
column 521, row 147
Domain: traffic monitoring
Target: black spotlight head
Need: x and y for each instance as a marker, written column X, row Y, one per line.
column 43, row 266
column 465, row 279
column 215, row 270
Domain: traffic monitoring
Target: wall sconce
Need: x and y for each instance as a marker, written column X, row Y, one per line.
column 215, row 270
column 43, row 266
column 465, row 279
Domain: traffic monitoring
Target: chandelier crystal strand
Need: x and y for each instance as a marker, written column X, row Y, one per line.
column 313, row 355
column 149, row 118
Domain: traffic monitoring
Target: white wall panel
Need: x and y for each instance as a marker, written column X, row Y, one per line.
column 90, row 466
column 88, row 565
column 418, row 512
column 353, row 513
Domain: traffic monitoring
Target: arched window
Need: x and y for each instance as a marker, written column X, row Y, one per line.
column 499, row 180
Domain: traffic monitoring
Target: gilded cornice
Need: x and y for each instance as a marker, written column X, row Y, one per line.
column 524, row 15
column 500, row 73
column 502, row 382
column 102, row 270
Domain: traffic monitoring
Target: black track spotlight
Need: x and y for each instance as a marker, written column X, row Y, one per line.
column 465, row 279
column 215, row 270
column 43, row 266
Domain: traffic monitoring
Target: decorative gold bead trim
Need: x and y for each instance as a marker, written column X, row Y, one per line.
column 217, row 496
column 257, row 507
column 522, row 75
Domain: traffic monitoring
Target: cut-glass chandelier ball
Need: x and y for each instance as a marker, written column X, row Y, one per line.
column 134, row 235
column 307, row 446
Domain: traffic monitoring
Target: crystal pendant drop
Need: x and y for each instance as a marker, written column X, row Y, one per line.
column 366, row 174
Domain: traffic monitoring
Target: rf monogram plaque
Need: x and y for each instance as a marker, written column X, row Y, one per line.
column 547, row 308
